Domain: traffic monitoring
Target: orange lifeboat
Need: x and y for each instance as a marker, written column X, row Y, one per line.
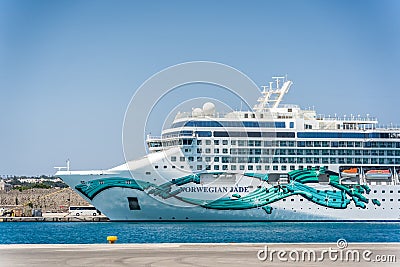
column 352, row 172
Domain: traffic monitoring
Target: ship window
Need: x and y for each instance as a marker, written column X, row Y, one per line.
column 250, row 167
column 173, row 166
column 258, row 167
column 216, row 150
column 246, row 115
column 199, row 159
column 284, row 199
column 216, row 142
column 208, row 142
column 383, row 191
column 275, row 168
column 208, row 167
column 198, row 142
column 133, row 203
column 199, row 167
column 182, row 158
column 156, row 166
column 216, row 159
column 391, row 191
column 165, row 166
column 241, row 167
column 225, row 142
column 283, row 168
column 266, row 167
column 148, row 173
column 216, row 167
column 292, row 199
column 173, row 158
column 224, row 167
column 182, row 167
column 301, row 199
column 191, row 158
column 225, row 151
column 208, row 150
column 391, row 199
column 233, row 167
column 383, row 199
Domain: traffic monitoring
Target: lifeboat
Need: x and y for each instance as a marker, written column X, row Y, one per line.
column 378, row 174
column 352, row 172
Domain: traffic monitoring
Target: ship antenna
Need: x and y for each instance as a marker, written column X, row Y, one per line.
column 68, row 164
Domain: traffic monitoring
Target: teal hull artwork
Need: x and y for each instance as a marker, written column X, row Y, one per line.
column 339, row 197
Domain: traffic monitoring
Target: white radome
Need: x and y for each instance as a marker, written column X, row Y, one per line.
column 197, row 112
column 209, row 109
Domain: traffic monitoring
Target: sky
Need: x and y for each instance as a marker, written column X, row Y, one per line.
column 68, row 69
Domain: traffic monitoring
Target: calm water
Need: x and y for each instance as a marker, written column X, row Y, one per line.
column 91, row 232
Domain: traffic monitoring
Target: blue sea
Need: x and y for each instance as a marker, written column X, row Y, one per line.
column 195, row 232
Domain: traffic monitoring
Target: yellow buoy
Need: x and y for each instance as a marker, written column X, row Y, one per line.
column 111, row 239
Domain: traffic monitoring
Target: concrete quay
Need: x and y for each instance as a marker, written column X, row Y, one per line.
column 165, row 255
column 56, row 219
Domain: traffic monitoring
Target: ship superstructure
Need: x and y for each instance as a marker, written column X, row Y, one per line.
column 275, row 162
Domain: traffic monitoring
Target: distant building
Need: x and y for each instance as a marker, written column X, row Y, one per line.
column 4, row 186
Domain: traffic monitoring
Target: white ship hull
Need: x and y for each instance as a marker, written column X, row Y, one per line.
column 112, row 199
column 113, row 203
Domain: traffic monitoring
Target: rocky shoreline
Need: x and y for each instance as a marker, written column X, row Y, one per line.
column 47, row 200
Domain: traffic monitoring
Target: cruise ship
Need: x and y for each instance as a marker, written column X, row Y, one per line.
column 277, row 162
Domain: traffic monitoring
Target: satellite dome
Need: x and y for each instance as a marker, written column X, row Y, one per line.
column 197, row 112
column 209, row 109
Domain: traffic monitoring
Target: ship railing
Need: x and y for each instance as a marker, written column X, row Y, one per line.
column 169, row 136
column 183, row 115
column 289, row 106
column 351, row 118
column 389, row 127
